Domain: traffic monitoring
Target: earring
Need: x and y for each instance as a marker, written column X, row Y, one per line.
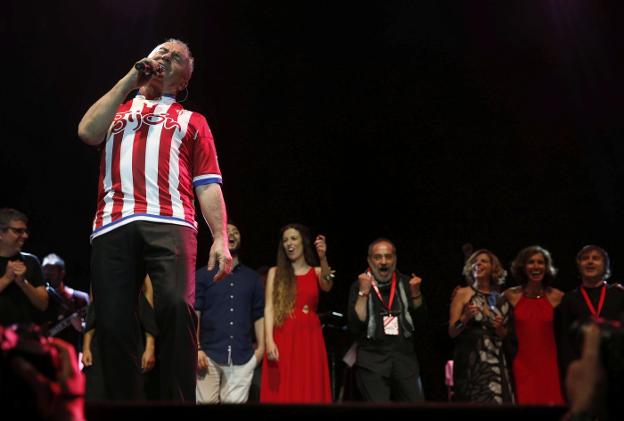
column 185, row 96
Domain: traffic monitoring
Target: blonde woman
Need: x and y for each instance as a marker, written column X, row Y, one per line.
column 479, row 320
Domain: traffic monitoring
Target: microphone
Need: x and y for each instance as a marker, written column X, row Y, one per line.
column 147, row 69
column 143, row 68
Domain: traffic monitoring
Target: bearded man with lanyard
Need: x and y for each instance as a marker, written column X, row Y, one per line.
column 594, row 300
column 384, row 306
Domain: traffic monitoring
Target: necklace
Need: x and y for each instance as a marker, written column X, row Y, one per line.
column 482, row 290
column 533, row 294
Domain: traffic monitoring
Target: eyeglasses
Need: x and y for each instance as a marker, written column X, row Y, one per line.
column 18, row 231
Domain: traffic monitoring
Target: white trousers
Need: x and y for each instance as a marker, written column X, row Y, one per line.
column 225, row 383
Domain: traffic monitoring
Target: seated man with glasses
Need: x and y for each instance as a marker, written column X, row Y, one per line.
column 22, row 293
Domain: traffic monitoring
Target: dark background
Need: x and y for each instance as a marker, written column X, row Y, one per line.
column 433, row 123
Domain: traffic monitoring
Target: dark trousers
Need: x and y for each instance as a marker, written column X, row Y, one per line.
column 119, row 262
column 377, row 388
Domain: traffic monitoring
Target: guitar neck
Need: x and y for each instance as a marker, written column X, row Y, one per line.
column 57, row 328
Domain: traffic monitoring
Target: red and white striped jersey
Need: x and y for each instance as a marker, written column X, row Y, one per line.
column 154, row 155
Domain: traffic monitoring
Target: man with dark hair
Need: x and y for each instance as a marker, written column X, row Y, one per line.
column 67, row 307
column 22, row 294
column 228, row 311
column 156, row 157
column 594, row 299
column 384, row 306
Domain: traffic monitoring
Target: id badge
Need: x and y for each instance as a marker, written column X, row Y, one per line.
column 391, row 325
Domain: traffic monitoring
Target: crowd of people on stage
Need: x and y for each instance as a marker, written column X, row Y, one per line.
column 510, row 346
column 153, row 327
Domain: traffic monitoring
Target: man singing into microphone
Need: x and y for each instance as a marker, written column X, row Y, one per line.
column 154, row 153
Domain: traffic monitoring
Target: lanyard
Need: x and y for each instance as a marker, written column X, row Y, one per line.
column 392, row 291
column 591, row 307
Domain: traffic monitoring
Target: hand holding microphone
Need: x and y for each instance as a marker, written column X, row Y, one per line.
column 147, row 69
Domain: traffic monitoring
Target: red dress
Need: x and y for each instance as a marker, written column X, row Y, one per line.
column 535, row 367
column 301, row 375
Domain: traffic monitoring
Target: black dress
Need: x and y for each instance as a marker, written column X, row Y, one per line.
column 480, row 369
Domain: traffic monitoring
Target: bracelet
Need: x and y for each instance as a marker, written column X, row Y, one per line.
column 363, row 294
column 330, row 276
column 416, row 297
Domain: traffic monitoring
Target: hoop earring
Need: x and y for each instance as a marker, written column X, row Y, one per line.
column 185, row 96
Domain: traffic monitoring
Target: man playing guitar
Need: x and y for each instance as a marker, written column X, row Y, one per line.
column 67, row 307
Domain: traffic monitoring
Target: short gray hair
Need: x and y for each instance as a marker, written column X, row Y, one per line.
column 190, row 55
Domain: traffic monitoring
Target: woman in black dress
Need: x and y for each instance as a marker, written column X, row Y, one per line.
column 479, row 319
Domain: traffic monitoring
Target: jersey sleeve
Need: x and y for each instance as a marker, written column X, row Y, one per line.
column 205, row 161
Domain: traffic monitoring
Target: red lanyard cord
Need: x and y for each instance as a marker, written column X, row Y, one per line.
column 590, row 306
column 392, row 293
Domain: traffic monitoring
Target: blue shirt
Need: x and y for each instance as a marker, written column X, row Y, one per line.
column 228, row 308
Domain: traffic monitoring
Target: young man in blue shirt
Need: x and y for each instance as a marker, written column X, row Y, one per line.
column 227, row 310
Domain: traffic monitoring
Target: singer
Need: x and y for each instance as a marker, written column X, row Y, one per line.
column 154, row 156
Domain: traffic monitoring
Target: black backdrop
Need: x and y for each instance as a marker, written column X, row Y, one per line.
column 433, row 123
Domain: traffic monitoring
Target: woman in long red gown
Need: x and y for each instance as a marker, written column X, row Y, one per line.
column 535, row 369
column 294, row 369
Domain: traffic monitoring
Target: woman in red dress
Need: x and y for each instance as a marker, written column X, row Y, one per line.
column 295, row 368
column 535, row 369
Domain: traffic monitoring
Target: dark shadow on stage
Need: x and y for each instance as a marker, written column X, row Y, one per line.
column 344, row 411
